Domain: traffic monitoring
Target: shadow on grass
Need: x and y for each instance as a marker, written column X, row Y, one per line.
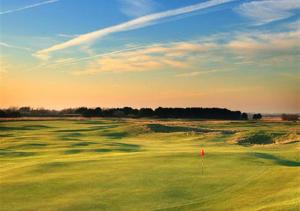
column 73, row 151
column 83, row 144
column 72, row 131
column 89, row 129
column 109, row 147
column 119, row 147
column 116, row 135
column 292, row 142
column 6, row 135
column 27, row 146
column 13, row 153
column 70, row 137
column 52, row 167
column 91, row 122
column 34, row 145
column 124, row 147
column 102, row 150
column 25, row 127
column 278, row 160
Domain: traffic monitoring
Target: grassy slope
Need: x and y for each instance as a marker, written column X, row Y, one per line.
column 125, row 165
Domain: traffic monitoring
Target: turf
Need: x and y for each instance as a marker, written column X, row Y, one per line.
column 128, row 164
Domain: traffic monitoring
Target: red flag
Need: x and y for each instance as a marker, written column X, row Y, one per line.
column 202, row 152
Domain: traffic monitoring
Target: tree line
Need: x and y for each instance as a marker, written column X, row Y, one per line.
column 194, row 112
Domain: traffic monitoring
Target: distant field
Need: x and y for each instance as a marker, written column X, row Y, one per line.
column 139, row 164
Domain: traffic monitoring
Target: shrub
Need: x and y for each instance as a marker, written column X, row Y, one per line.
column 260, row 137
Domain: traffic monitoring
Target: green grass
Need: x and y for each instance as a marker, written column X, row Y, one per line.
column 127, row 164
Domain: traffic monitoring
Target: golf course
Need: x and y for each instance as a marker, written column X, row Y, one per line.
column 149, row 164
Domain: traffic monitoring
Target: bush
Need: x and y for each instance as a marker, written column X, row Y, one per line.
column 260, row 137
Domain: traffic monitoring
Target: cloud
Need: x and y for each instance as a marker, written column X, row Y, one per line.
column 28, row 7
column 172, row 51
column 266, row 11
column 2, row 44
column 244, row 49
column 191, row 74
column 71, row 61
column 142, row 59
column 255, row 43
column 68, row 35
column 137, row 8
column 130, row 25
column 240, row 49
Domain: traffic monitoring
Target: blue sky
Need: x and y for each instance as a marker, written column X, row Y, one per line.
column 193, row 52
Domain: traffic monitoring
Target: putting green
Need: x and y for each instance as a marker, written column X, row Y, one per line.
column 128, row 164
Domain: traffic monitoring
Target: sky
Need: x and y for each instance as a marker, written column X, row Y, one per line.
column 238, row 54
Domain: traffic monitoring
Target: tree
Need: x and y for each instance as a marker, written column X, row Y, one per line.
column 89, row 113
column 81, row 110
column 191, row 112
column 25, row 109
column 127, row 110
column 244, row 116
column 98, row 111
column 2, row 113
column 146, row 112
column 10, row 113
column 257, row 116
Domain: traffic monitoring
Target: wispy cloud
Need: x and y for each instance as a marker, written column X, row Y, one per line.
column 68, row 35
column 28, row 7
column 188, row 74
column 266, row 11
column 258, row 42
column 71, row 61
column 130, row 25
column 137, row 8
column 143, row 58
column 2, row 44
column 244, row 49
column 191, row 74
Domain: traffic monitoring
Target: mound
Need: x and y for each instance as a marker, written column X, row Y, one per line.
column 262, row 138
column 159, row 128
column 257, row 138
column 287, row 138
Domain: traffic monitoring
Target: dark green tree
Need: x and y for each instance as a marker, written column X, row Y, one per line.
column 257, row 116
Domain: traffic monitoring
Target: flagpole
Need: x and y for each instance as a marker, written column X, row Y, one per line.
column 202, row 163
column 202, row 160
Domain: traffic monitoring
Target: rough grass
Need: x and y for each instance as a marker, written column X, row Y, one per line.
column 266, row 137
column 127, row 164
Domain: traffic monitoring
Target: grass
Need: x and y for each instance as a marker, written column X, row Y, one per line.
column 127, row 164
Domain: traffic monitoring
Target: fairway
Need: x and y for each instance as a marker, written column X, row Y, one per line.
column 149, row 164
